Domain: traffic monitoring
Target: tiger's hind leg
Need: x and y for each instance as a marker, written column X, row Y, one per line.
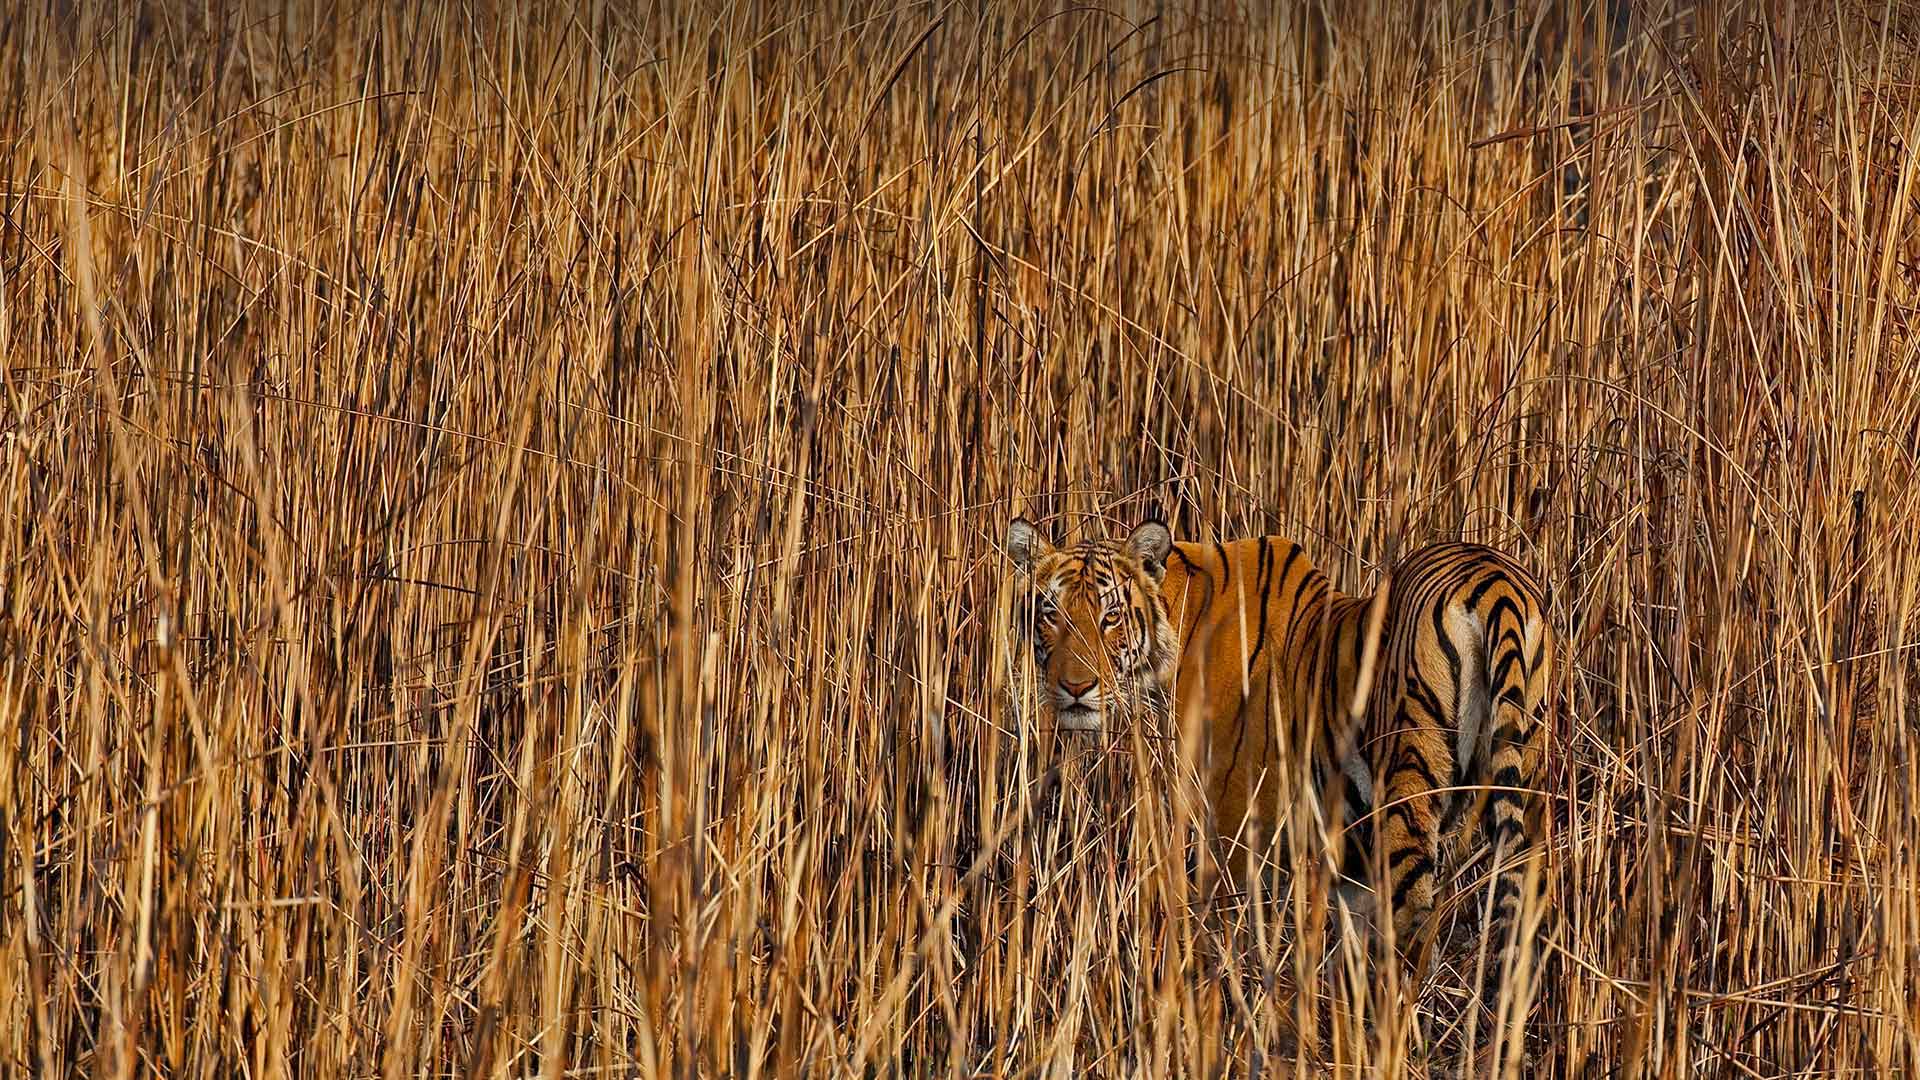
column 1516, row 684
column 1412, row 805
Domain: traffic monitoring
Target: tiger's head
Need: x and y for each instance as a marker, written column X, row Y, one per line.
column 1092, row 613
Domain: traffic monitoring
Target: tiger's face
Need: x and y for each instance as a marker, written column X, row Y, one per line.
column 1093, row 617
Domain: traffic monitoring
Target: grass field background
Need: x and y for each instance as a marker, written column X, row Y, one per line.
column 502, row 565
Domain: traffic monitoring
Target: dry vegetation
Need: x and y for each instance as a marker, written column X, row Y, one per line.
column 502, row 571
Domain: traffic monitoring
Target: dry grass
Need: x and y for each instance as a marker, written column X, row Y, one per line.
column 502, row 569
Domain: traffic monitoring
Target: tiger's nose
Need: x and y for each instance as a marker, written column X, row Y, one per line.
column 1074, row 689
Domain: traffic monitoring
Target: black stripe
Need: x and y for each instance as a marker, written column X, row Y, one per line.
column 1445, row 641
column 1264, row 580
column 1422, row 868
column 1294, row 551
column 1456, row 804
column 1503, row 606
column 1501, row 827
column 1511, row 734
column 1239, row 737
column 1329, row 666
column 1328, row 654
column 1194, row 607
column 1359, row 648
column 1409, row 852
column 1506, row 794
column 1188, row 564
column 1293, row 598
column 1418, row 691
column 1404, row 811
column 1493, row 578
column 1507, row 776
column 1410, row 761
column 1454, row 568
column 1305, row 601
column 1359, row 635
column 1226, row 572
column 1507, row 660
column 1514, row 695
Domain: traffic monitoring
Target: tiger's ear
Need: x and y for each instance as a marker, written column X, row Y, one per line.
column 1151, row 543
column 1025, row 545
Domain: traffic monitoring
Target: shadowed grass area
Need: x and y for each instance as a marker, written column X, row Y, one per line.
column 502, row 568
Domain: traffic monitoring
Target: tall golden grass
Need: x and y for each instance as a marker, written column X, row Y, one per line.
column 502, row 567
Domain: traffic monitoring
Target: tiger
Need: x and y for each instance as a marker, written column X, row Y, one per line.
column 1227, row 633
